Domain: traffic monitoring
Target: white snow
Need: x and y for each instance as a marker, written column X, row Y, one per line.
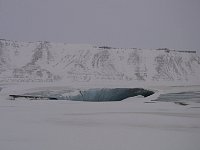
column 46, row 61
column 135, row 123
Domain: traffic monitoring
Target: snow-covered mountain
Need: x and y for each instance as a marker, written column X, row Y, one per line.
column 48, row 62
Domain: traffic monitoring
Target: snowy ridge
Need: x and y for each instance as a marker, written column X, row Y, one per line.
column 49, row 62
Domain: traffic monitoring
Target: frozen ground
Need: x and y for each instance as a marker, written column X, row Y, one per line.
column 135, row 123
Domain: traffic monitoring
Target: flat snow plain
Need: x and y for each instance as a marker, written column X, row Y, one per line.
column 134, row 123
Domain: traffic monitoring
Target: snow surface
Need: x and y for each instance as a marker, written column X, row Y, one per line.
column 135, row 123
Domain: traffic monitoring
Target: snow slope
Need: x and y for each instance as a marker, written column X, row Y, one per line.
column 47, row 62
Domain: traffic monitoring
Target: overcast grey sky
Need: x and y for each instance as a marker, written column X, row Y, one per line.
column 117, row 23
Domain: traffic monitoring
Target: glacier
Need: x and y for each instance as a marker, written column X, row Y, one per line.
column 92, row 95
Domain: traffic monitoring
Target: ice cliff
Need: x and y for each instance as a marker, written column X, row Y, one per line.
column 49, row 62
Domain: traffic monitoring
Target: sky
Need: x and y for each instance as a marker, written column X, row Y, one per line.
column 173, row 24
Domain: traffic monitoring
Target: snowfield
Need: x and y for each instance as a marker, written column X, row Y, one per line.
column 134, row 123
column 167, row 120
